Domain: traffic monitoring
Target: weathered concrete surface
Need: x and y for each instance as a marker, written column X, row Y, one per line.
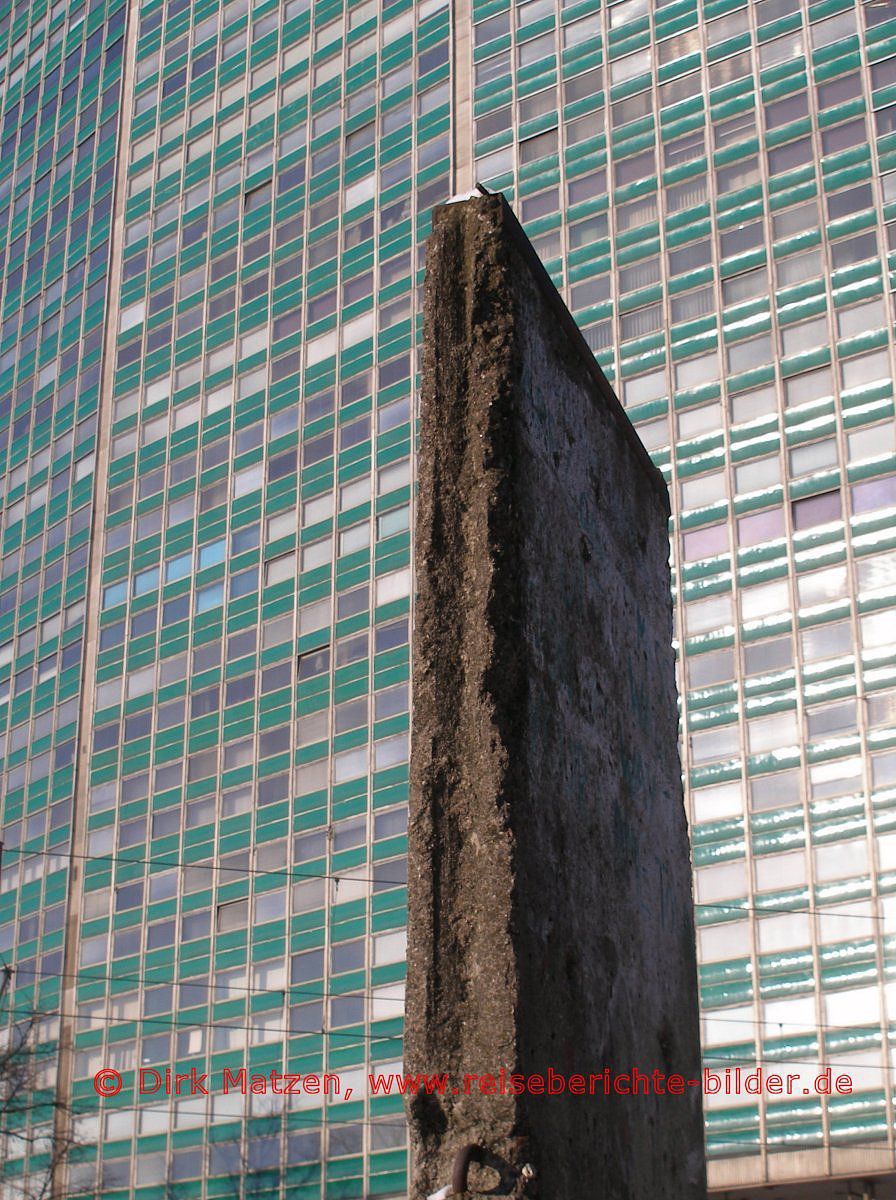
column 550, row 896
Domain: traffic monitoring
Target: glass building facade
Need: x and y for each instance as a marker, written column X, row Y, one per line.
column 213, row 219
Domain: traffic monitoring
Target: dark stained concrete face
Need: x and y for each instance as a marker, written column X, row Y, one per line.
column 551, row 922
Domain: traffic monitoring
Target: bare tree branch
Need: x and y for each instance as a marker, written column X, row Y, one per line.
column 31, row 1150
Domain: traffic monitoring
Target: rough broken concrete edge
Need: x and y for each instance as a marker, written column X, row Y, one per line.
column 468, row 597
column 576, row 338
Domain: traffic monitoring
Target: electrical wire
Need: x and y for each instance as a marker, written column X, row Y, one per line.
column 209, row 987
column 176, row 1024
column 774, row 910
column 90, row 1019
column 89, row 976
column 205, row 866
column 345, row 877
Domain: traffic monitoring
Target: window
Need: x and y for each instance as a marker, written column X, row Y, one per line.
column 258, row 197
column 742, row 356
column 690, row 257
column 815, row 456
column 704, row 670
column 827, row 641
column 639, row 275
column 873, row 494
column 739, row 175
column 792, row 155
column 829, row 720
column 812, row 385
column 776, row 654
column 735, row 129
column 315, row 662
column 348, row 956
column 630, row 66
column 816, row 510
column 762, row 600
column 772, row 733
column 704, row 489
column 849, row 251
column 347, row 1010
column 641, row 321
column 805, row 336
column 797, row 268
column 706, row 542
column 493, row 68
column 839, row 91
column 782, row 49
column 394, row 521
column 539, row 146
column 820, row 587
column 541, row 205
column 843, row 137
column 678, row 47
column 680, row 89
column 632, row 108
column 726, row 70
column 636, row 213
column 727, row 880
column 588, row 187
column 629, row 170
column 865, row 369
column 782, row 112
column 538, row 105
column 834, row 29
column 795, row 220
column 745, row 237
column 775, row 791
column 861, row 318
column 760, row 527
column 853, row 200
column 592, row 291
column 701, row 616
column 745, row 287
column 692, row 373
column 692, row 304
column 628, row 10
column 492, row 28
column 592, row 229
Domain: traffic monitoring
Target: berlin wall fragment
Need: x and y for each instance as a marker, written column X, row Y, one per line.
column 550, row 910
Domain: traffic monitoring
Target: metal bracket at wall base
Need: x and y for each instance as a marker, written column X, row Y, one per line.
column 473, row 1153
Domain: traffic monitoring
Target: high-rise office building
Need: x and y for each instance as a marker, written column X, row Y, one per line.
column 212, row 222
